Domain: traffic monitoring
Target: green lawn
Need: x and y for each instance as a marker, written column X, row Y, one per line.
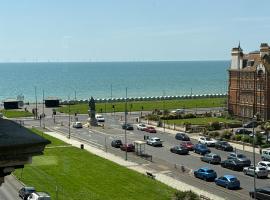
column 199, row 121
column 147, row 105
column 79, row 175
column 16, row 113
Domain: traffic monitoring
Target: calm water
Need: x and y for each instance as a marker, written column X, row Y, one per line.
column 95, row 79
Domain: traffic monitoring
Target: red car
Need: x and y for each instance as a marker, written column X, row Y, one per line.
column 127, row 147
column 150, row 129
column 188, row 145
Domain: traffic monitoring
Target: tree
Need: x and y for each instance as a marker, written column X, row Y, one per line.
column 266, row 128
column 187, row 195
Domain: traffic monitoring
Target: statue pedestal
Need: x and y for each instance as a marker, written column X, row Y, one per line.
column 93, row 122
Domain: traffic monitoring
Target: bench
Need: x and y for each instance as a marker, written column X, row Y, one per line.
column 149, row 174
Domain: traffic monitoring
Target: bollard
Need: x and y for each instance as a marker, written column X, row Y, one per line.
column 82, row 146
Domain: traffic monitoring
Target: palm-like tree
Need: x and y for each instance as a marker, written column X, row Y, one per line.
column 266, row 127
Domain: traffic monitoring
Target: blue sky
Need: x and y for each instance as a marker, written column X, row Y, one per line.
column 130, row 30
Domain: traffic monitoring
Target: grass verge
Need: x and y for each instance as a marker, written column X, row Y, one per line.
column 147, row 105
column 200, row 121
column 73, row 174
column 16, row 113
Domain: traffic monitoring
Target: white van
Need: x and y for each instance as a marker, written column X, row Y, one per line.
column 39, row 196
column 100, row 118
column 265, row 154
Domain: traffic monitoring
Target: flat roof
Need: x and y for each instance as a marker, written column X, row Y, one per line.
column 11, row 100
column 51, row 98
column 139, row 142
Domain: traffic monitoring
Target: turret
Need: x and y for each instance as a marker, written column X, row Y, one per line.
column 264, row 49
column 237, row 58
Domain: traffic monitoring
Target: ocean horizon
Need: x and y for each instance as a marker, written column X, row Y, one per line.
column 81, row 80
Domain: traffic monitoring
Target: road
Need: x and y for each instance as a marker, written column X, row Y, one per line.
column 163, row 159
column 9, row 189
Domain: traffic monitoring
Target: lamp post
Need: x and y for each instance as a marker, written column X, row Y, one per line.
column 254, row 119
column 163, row 111
column 68, row 118
column 126, row 123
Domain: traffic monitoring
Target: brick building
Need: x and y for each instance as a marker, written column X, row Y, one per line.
column 249, row 83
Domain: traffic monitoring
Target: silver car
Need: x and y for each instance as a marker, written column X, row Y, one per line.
column 154, row 141
column 260, row 172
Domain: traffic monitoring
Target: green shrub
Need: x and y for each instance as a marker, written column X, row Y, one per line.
column 188, row 195
column 214, row 134
column 152, row 117
column 245, row 138
column 234, row 125
column 265, row 145
column 259, row 138
column 237, row 137
column 226, row 134
column 188, row 116
column 215, row 125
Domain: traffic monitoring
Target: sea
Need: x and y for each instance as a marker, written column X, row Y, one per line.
column 81, row 80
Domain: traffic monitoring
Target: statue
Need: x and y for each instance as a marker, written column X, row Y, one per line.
column 92, row 112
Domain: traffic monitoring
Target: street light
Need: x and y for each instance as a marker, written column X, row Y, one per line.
column 126, row 123
column 254, row 120
column 68, row 118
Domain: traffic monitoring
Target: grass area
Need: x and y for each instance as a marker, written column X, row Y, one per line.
column 147, row 105
column 200, row 121
column 16, row 113
column 78, row 174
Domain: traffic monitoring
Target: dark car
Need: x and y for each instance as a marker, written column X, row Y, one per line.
column 150, row 129
column 250, row 124
column 127, row 147
column 262, row 193
column 205, row 173
column 188, row 145
column 241, row 159
column 25, row 192
column 232, row 164
column 127, row 127
column 182, row 136
column 116, row 143
column 228, row 181
column 211, row 158
column 223, row 145
column 179, row 149
column 201, row 149
column 242, row 131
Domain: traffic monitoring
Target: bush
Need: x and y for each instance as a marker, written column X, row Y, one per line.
column 214, row 134
column 189, row 115
column 259, row 138
column 226, row 134
column 188, row 195
column 237, row 137
column 234, row 125
column 215, row 126
column 152, row 117
column 245, row 138
column 265, row 146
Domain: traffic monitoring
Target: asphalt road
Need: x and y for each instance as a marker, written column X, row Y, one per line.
column 9, row 189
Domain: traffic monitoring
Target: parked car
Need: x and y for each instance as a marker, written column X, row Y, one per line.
column 150, row 129
column 242, row 131
column 232, row 164
column 178, row 111
column 127, row 127
column 260, row 172
column 207, row 141
column 127, row 147
column 228, row 181
column 77, row 125
column 100, row 118
column 182, row 136
column 141, row 127
column 188, row 145
column 116, row 143
column 265, row 164
column 223, row 145
column 24, row 192
column 211, row 158
column 250, row 124
column 154, row 141
column 262, row 193
column 201, row 149
column 205, row 173
column 39, row 196
column 241, row 158
column 265, row 155
column 179, row 149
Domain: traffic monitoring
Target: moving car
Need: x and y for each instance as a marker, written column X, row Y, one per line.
column 77, row 125
column 201, row 149
column 211, row 158
column 179, row 149
column 100, row 118
column 182, row 136
column 116, row 143
column 265, row 155
column 188, row 145
column 205, row 173
column 25, row 192
column 260, row 172
column 241, row 158
column 154, row 141
column 228, row 181
column 265, row 164
column 242, row 131
column 223, row 145
column 150, row 129
column 39, row 196
column 250, row 124
column 127, row 147
column 262, row 193
column 178, row 111
column 127, row 127
column 141, row 127
column 231, row 164
column 207, row 141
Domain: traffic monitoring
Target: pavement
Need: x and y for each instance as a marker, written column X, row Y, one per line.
column 141, row 168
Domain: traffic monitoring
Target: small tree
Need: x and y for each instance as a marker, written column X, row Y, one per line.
column 266, row 128
column 188, row 195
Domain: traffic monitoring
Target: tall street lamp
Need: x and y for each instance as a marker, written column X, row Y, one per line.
column 254, row 120
column 126, row 123
column 68, row 118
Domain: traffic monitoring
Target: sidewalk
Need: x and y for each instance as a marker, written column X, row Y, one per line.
column 136, row 167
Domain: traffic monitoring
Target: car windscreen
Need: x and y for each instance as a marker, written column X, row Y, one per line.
column 157, row 139
column 261, row 168
column 241, row 156
column 210, row 171
column 233, row 179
